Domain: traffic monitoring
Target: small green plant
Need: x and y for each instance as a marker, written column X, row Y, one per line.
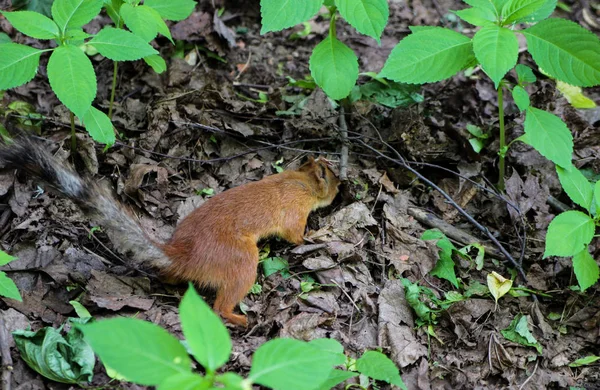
column 70, row 71
column 518, row 332
column 333, row 65
column 8, row 288
column 570, row 232
column 562, row 49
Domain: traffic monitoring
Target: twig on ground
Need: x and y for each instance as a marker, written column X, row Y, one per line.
column 344, row 149
column 7, row 362
column 530, row 376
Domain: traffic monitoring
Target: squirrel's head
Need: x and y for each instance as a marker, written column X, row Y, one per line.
column 325, row 181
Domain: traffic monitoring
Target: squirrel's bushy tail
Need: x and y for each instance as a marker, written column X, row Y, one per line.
column 125, row 233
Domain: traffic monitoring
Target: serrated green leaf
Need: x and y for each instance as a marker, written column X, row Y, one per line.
column 174, row 10
column 517, row 11
column 544, row 11
column 496, row 49
column 525, row 74
column 549, row 135
column 71, row 14
column 568, row 234
column 18, row 64
column 566, row 51
column 8, row 288
column 334, row 67
column 141, row 351
column 157, row 63
column 121, row 45
column 99, row 126
column 72, row 78
column 428, row 56
column 279, row 14
column 576, row 186
column 521, row 97
column 290, row 364
column 206, row 335
column 586, row 269
column 476, row 16
column 33, row 24
column 140, row 21
column 369, row 17
column 379, row 367
column 489, row 6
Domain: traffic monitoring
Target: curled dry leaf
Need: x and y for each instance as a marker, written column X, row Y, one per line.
column 498, row 285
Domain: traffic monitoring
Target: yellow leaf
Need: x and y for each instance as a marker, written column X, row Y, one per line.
column 574, row 95
column 498, row 285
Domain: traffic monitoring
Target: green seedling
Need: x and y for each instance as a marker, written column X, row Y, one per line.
column 8, row 288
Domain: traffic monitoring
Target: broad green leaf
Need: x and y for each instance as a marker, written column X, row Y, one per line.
column 206, row 335
column 81, row 311
column 576, row 186
column 516, row 11
column 525, row 74
column 18, row 64
column 40, row 6
column 157, row 63
column 8, row 288
column 568, row 234
column 574, row 95
column 5, row 258
column 334, row 66
column 498, row 285
column 379, row 367
column 61, row 359
column 335, row 378
column 369, row 17
column 4, row 38
column 279, row 14
column 72, row 78
column 33, row 24
column 272, row 265
column 566, row 51
column 70, row 14
column 476, row 16
column 144, row 22
column 586, row 269
column 185, row 381
column 290, row 364
column 141, row 351
column 173, row 9
column 330, row 346
column 489, row 6
column 113, row 9
column 521, row 97
column 549, row 135
column 496, row 49
column 444, row 268
column 231, row 380
column 428, row 56
column 518, row 332
column 99, row 126
column 542, row 13
column 121, row 45
column 585, row 361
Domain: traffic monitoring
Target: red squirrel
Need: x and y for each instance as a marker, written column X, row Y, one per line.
column 215, row 245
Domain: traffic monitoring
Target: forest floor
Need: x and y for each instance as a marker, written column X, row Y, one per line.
column 211, row 106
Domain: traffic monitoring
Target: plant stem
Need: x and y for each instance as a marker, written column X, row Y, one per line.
column 332, row 12
column 114, row 87
column 73, row 136
column 501, row 165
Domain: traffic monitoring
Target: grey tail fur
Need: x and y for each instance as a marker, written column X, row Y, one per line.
column 125, row 233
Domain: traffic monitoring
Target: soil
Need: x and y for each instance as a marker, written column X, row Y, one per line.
column 203, row 124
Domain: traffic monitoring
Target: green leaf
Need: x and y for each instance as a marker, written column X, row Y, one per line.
column 121, row 45
column 206, row 335
column 517, row 11
column 597, row 194
column 33, row 24
column 568, row 234
column 334, row 66
column 279, row 14
column 566, row 51
column 489, row 6
column 521, row 97
column 576, row 186
column 18, row 64
column 476, row 16
column 142, row 352
column 72, row 78
column 290, row 364
column 144, row 22
column 184, row 381
column 335, row 378
column 586, row 269
column 71, row 14
column 428, row 56
column 574, row 95
column 379, row 367
column 549, row 135
column 8, row 288
column 496, row 49
column 65, row 360
column 113, row 9
column 81, row 311
column 275, row 264
column 99, row 126
column 525, row 74
column 173, row 9
column 332, row 347
column 40, row 6
column 157, row 63
column 585, row 361
column 369, row 17
column 444, row 268
column 518, row 332
column 542, row 13
column 4, row 38
column 390, row 94
column 5, row 258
